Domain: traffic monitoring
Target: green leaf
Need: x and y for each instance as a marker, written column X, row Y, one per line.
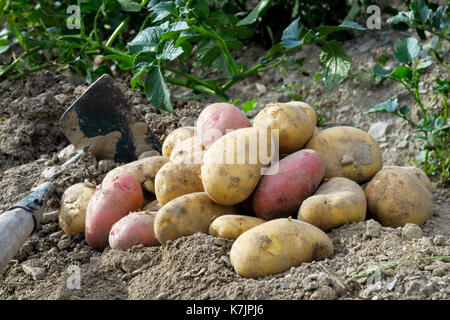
column 146, row 40
column 200, row 8
column 255, row 13
column 380, row 72
column 346, row 25
column 443, row 85
column 174, row 28
column 335, row 62
column 389, row 105
column 156, row 89
column 206, row 51
column 168, row 51
column 129, row 5
column 438, row 20
column 420, row 10
column 400, row 73
column 220, row 64
column 406, row 50
column 249, row 105
column 162, row 10
column 296, row 34
column 404, row 110
column 143, row 60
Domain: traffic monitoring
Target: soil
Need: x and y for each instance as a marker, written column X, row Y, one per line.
column 198, row 267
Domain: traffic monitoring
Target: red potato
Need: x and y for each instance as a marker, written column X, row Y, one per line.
column 282, row 190
column 111, row 201
column 135, row 228
column 216, row 118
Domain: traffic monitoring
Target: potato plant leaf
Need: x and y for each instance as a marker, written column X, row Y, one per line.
column 335, row 62
column 156, row 89
column 255, row 13
column 296, row 34
column 129, row 5
column 389, row 105
column 406, row 50
column 146, row 40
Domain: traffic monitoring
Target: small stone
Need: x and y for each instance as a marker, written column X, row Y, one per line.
column 67, row 153
column 50, row 227
column 391, row 285
column 186, row 276
column 150, row 153
column 366, row 46
column 79, row 90
column 162, row 296
column 324, row 293
column 27, row 248
column 35, row 272
column 413, row 287
column 439, row 240
column 55, row 159
column 81, row 256
column 202, row 271
column 260, row 88
column 428, row 289
column 378, row 130
column 213, row 267
column 63, row 244
column 411, row 231
column 55, row 236
column 402, row 144
column 49, row 217
column 226, row 260
column 373, row 228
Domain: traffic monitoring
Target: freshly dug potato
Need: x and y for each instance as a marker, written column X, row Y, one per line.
column 176, row 179
column 72, row 212
column 419, row 173
column 186, row 215
column 305, row 108
column 176, row 136
column 144, row 170
column 232, row 166
column 112, row 200
column 231, row 226
column 397, row 196
column 287, row 183
column 278, row 245
column 214, row 121
column 189, row 151
column 294, row 125
column 348, row 152
column 135, row 228
column 336, row 202
column 152, row 206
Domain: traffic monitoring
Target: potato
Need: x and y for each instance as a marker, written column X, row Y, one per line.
column 231, row 226
column 305, row 108
column 348, row 152
column 397, row 196
column 278, row 245
column 152, row 206
column 287, row 183
column 176, row 136
column 232, row 166
column 143, row 170
column 189, row 151
column 133, row 229
column 174, row 180
column 419, row 173
column 336, row 202
column 112, row 200
column 294, row 126
column 186, row 215
column 72, row 212
column 214, row 121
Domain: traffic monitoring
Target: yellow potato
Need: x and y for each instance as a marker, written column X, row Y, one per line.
column 176, row 136
column 397, row 196
column 231, row 226
column 278, row 245
column 305, row 108
column 144, row 170
column 189, row 151
column 176, row 179
column 294, row 126
column 232, row 165
column 348, row 152
column 186, row 215
column 72, row 212
column 336, row 202
column 419, row 173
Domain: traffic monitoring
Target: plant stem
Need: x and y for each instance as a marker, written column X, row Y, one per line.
column 17, row 60
column 184, row 83
column 145, row 22
column 192, row 78
column 95, row 22
column 34, row 69
column 117, row 32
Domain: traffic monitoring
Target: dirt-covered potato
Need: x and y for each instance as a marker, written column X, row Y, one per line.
column 135, row 228
column 231, row 226
column 397, row 196
column 419, row 173
column 232, row 166
column 176, row 136
column 144, row 170
column 214, row 121
column 176, row 179
column 186, row 215
column 294, row 125
column 189, row 151
column 336, row 202
column 287, row 183
column 72, row 212
column 305, row 108
column 278, row 245
column 348, row 152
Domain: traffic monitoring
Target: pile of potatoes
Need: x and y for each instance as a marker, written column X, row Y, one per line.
column 277, row 206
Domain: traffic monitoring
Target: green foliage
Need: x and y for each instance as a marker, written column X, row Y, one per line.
column 432, row 128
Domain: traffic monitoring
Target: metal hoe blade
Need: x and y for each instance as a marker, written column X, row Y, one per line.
column 103, row 122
